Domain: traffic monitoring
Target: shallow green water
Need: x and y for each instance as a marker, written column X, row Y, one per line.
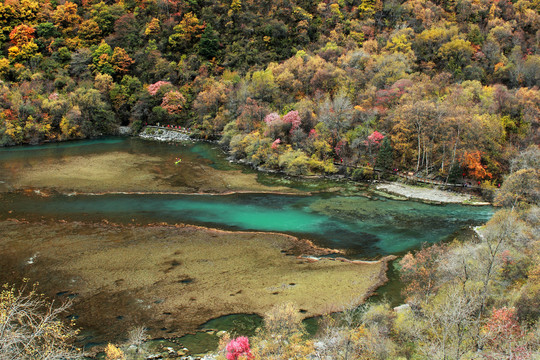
column 367, row 227
column 207, row 152
column 192, row 153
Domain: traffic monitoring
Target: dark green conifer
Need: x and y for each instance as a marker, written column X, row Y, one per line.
column 385, row 159
column 455, row 173
column 209, row 44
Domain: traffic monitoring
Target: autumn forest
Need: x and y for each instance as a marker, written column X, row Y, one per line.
column 286, row 85
column 443, row 89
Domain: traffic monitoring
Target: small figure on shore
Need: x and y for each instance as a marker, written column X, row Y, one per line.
column 177, row 161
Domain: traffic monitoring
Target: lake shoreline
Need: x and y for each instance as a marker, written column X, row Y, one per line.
column 398, row 189
column 225, row 185
column 46, row 192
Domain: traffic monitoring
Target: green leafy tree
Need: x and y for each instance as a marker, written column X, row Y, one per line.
column 95, row 115
column 47, row 30
column 101, row 59
column 456, row 54
column 106, row 15
column 455, row 173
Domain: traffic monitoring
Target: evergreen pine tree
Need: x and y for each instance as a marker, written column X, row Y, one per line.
column 385, row 159
column 209, row 44
column 455, row 173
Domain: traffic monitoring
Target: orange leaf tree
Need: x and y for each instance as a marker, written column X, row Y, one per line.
column 473, row 165
column 22, row 34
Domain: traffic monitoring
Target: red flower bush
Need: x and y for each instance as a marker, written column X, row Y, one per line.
column 271, row 118
column 505, row 337
column 293, row 118
column 375, row 138
column 154, row 88
column 239, row 348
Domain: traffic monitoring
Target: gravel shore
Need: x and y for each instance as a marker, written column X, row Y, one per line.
column 166, row 135
column 430, row 194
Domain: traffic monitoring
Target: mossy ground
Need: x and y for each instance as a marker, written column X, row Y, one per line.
column 130, row 172
column 171, row 279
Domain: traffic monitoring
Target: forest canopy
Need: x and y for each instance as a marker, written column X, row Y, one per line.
column 290, row 85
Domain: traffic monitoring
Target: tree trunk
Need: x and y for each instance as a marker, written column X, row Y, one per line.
column 443, row 155
column 453, row 154
column 419, row 152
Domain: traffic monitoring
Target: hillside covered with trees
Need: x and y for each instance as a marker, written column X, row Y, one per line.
column 451, row 86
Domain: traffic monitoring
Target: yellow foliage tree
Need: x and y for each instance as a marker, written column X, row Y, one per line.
column 114, row 353
column 23, row 52
column 153, row 28
column 189, row 29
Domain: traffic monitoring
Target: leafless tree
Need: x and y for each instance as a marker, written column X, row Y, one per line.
column 30, row 327
column 137, row 337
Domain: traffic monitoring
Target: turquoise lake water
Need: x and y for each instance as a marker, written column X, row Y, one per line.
column 366, row 227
